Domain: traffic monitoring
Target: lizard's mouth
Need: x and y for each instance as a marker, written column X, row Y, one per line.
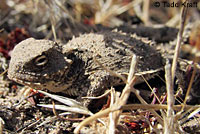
column 33, row 84
column 50, row 85
column 41, row 81
column 26, row 79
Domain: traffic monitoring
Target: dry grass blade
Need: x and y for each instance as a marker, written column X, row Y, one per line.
column 194, row 113
column 65, row 108
column 173, row 21
column 125, row 93
column 63, row 8
column 1, row 30
column 114, row 98
column 75, row 106
column 183, row 116
column 127, row 90
column 190, row 84
column 146, row 11
column 53, row 28
column 98, row 97
column 156, row 107
column 179, row 40
column 151, row 89
column 132, row 70
column 169, row 119
column 64, row 100
column 2, row 123
column 4, row 72
column 109, row 11
column 95, row 116
column 170, row 91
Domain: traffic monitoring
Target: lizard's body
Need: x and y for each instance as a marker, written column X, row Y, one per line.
column 71, row 67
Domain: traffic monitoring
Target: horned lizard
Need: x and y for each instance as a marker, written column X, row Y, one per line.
column 70, row 68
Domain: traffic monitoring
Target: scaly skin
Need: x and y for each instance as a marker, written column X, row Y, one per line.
column 70, row 68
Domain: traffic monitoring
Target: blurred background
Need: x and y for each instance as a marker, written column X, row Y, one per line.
column 62, row 19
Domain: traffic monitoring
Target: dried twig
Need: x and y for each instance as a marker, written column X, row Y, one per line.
column 137, row 93
column 4, row 72
column 126, row 91
column 169, row 119
column 190, row 84
column 131, row 80
column 179, row 40
column 98, row 97
column 151, row 89
column 114, row 99
column 146, row 4
column 156, row 107
column 117, row 105
column 2, row 123
column 94, row 117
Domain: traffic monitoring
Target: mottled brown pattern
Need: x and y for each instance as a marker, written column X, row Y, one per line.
column 71, row 67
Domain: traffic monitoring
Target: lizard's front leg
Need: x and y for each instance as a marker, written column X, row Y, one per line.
column 100, row 81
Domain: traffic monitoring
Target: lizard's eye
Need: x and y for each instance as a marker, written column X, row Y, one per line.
column 41, row 60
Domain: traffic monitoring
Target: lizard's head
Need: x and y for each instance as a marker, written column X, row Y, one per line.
column 39, row 64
